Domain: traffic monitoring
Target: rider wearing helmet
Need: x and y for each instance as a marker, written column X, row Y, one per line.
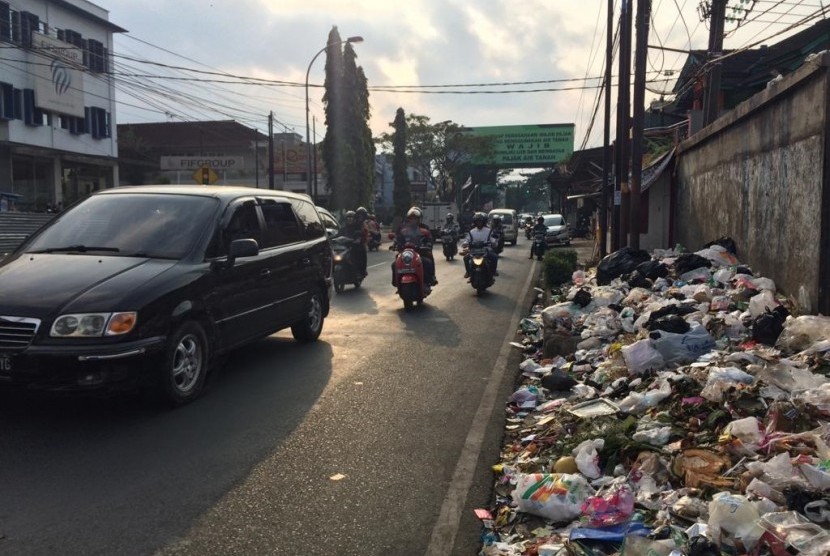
column 451, row 226
column 539, row 231
column 481, row 233
column 412, row 231
column 356, row 230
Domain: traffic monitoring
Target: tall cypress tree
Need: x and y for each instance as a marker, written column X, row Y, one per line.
column 334, row 144
column 401, row 192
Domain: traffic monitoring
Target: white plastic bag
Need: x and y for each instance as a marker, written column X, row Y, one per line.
column 678, row 349
column 641, row 357
column 761, row 302
column 733, row 518
column 720, row 379
column 801, row 332
column 587, row 458
column 554, row 496
column 748, row 431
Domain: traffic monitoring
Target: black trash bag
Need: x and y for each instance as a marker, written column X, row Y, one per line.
column 669, row 323
column 768, row 326
column 690, row 261
column 622, row 261
column 740, row 269
column 558, row 381
column 673, row 309
column 582, row 297
column 637, row 280
column 702, row 546
column 653, row 270
column 726, row 242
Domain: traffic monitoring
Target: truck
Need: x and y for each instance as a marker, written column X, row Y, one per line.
column 435, row 215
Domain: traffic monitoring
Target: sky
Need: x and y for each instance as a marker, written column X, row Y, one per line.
column 186, row 60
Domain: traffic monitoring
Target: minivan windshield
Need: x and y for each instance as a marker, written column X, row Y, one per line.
column 156, row 225
column 554, row 220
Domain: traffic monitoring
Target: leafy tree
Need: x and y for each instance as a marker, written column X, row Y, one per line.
column 334, row 143
column 401, row 193
column 440, row 151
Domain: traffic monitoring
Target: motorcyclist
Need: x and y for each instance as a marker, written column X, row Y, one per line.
column 481, row 233
column 373, row 228
column 412, row 231
column 451, row 227
column 539, row 232
column 497, row 231
column 356, row 231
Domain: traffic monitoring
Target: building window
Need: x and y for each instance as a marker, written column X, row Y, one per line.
column 29, row 23
column 32, row 115
column 5, row 22
column 6, row 101
column 98, row 122
column 96, row 56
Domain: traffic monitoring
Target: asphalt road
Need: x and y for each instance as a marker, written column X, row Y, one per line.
column 377, row 439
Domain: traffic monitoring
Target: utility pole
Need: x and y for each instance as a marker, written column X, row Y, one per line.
column 640, row 60
column 314, row 160
column 623, row 127
column 606, row 152
column 271, row 150
column 256, row 156
column 717, row 16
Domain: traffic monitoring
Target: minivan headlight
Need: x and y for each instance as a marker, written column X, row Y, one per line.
column 89, row 325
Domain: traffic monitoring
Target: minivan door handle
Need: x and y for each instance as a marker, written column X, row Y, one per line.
column 265, row 273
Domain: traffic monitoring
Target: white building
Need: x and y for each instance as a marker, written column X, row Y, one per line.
column 57, row 102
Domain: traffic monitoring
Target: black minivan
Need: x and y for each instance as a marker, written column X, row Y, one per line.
column 147, row 285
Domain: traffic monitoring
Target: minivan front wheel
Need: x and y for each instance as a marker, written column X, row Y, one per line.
column 309, row 328
column 184, row 367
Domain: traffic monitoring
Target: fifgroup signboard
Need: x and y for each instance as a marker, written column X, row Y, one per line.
column 526, row 146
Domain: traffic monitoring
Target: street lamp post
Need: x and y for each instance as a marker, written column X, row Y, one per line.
column 307, row 128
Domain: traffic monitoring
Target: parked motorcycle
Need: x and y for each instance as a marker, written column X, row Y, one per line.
column 481, row 272
column 408, row 277
column 449, row 243
column 345, row 271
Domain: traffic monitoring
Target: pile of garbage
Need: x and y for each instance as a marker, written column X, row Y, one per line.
column 670, row 403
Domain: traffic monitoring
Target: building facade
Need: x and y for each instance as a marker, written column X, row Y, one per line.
column 57, row 102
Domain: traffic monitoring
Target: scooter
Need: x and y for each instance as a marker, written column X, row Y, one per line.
column 500, row 240
column 481, row 273
column 528, row 230
column 408, row 277
column 449, row 243
column 345, row 271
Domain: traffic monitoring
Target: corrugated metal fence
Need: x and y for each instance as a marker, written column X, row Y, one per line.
column 17, row 226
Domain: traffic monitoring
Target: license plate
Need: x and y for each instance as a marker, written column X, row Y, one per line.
column 5, row 364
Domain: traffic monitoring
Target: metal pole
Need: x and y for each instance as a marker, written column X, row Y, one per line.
column 256, row 157
column 624, row 116
column 271, row 150
column 314, row 151
column 643, row 16
column 606, row 152
column 710, row 103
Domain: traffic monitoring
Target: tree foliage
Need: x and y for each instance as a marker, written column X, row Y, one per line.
column 441, row 152
column 401, row 193
column 348, row 149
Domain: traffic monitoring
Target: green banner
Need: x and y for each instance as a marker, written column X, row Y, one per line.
column 526, row 146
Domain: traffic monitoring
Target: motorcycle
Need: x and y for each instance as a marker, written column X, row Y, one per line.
column 408, row 277
column 345, row 271
column 449, row 243
column 499, row 238
column 539, row 247
column 481, row 273
column 528, row 230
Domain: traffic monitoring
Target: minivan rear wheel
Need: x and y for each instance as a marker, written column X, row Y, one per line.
column 309, row 328
column 184, row 365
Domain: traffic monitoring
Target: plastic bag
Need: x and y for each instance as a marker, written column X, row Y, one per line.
column 802, row 332
column 768, row 326
column 758, row 304
column 721, row 379
column 653, row 270
column 641, row 357
column 719, row 255
column 733, row 521
column 587, row 457
column 613, row 507
column 636, row 403
column 798, row 532
column 622, row 261
column 554, row 496
column 655, row 436
column 748, row 431
column 690, row 261
column 678, row 349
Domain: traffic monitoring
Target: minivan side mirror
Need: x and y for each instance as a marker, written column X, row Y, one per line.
column 241, row 248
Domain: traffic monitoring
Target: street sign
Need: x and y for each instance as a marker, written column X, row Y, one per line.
column 205, row 176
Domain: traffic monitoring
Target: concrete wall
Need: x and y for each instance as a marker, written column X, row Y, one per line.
column 758, row 175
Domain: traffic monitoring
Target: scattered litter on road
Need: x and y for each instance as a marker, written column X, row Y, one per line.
column 672, row 404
